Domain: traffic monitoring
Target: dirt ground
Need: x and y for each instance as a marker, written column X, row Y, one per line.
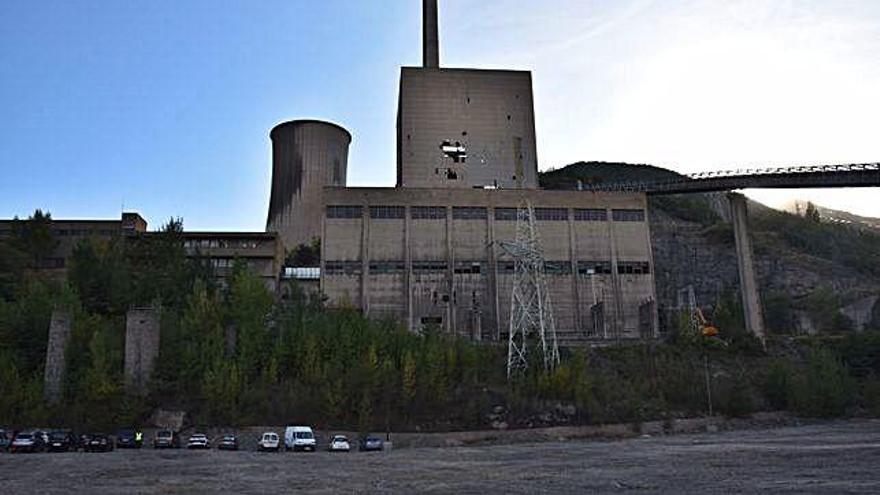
column 836, row 457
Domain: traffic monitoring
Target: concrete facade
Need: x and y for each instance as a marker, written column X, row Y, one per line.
column 307, row 155
column 465, row 128
column 56, row 359
column 142, row 334
column 429, row 257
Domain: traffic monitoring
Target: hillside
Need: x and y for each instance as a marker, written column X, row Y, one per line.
column 815, row 276
column 598, row 172
column 799, row 207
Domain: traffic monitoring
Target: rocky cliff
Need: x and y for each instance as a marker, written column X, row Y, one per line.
column 814, row 276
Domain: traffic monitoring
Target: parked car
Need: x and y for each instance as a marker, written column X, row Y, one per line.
column 198, row 441
column 370, row 443
column 27, row 442
column 166, row 439
column 269, row 441
column 129, row 438
column 299, row 438
column 228, row 442
column 339, row 443
column 98, row 442
column 5, row 440
column 62, row 441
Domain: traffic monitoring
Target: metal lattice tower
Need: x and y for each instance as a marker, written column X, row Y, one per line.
column 530, row 310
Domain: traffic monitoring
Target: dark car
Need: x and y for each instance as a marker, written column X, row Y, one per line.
column 5, row 440
column 62, row 441
column 166, row 439
column 370, row 443
column 129, row 438
column 228, row 442
column 98, row 442
column 27, row 442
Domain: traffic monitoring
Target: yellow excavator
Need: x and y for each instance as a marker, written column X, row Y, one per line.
column 705, row 327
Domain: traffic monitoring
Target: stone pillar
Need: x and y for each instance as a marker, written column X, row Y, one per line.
column 141, row 346
column 748, row 283
column 56, row 362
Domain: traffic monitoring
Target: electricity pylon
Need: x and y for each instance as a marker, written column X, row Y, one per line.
column 530, row 311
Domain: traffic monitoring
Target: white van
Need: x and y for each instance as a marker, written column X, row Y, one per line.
column 299, row 438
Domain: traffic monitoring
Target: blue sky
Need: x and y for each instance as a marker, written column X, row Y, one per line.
column 165, row 107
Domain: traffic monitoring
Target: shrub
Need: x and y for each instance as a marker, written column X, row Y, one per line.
column 825, row 389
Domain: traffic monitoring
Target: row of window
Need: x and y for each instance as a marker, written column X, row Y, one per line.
column 84, row 232
column 221, row 243
column 480, row 213
column 229, row 262
column 476, row 267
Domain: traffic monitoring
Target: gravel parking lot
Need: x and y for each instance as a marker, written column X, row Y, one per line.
column 837, row 457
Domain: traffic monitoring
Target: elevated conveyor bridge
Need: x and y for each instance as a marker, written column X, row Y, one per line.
column 813, row 176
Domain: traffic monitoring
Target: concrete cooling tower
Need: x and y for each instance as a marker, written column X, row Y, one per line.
column 307, row 155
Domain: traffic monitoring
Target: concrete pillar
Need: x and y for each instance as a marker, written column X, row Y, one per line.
column 141, row 346
column 575, row 286
column 407, row 263
column 365, row 260
column 748, row 282
column 430, row 35
column 56, row 362
column 493, row 276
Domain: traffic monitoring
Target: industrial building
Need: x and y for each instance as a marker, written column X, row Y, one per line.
column 428, row 251
column 261, row 252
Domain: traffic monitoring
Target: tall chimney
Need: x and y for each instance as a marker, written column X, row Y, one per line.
column 430, row 38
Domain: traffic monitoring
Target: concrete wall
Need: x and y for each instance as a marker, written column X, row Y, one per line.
column 142, row 327
column 449, row 271
column 307, row 155
column 56, row 362
column 488, row 112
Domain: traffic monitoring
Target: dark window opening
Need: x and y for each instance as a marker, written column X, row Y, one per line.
column 451, row 174
column 628, row 215
column 506, row 267
column 429, row 266
column 469, row 213
column 428, row 212
column 557, row 267
column 590, row 215
column 380, row 267
column 337, row 211
column 465, row 267
column 505, row 214
column 456, row 151
column 594, row 267
column 387, row 212
column 551, row 214
column 342, row 267
column 633, row 268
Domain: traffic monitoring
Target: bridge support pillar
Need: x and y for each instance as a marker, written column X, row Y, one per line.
column 748, row 283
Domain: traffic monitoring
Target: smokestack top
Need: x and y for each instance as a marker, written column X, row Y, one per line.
column 430, row 36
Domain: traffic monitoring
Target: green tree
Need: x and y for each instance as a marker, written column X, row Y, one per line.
column 101, row 276
column 35, row 238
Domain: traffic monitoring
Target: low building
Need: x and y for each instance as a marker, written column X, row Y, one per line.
column 262, row 252
column 68, row 233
